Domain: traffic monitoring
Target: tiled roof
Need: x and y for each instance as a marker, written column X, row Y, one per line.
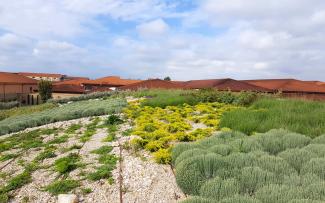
column 152, row 84
column 11, row 78
column 289, row 85
column 224, row 84
column 72, row 82
column 111, row 81
column 68, row 89
column 41, row 74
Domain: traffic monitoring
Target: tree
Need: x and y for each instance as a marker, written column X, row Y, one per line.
column 45, row 90
column 167, row 78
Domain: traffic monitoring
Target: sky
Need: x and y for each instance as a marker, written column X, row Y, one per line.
column 183, row 39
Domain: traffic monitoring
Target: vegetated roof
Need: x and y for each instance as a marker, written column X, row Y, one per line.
column 289, row 85
column 224, row 84
column 152, row 84
column 72, row 82
column 11, row 78
column 66, row 88
column 54, row 75
column 114, row 81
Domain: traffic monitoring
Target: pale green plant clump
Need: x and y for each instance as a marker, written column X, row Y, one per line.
column 277, row 166
column 65, row 112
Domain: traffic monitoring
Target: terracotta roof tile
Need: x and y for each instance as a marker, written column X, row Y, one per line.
column 224, row 84
column 111, row 81
column 289, row 85
column 41, row 74
column 11, row 78
column 152, row 84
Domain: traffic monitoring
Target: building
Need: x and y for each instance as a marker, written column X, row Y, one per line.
column 152, row 84
column 224, row 85
column 16, row 87
column 107, row 83
column 293, row 88
column 43, row 76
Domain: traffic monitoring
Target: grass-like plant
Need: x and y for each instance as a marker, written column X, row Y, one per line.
column 305, row 117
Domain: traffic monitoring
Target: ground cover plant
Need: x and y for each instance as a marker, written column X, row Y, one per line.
column 277, row 166
column 8, row 105
column 162, row 98
column 306, row 117
column 52, row 152
column 17, row 111
column 62, row 113
column 95, row 95
column 158, row 129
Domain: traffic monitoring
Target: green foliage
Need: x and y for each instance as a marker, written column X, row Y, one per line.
column 91, row 129
column 6, row 157
column 8, row 105
column 73, row 128
column 86, row 190
column 219, row 189
column 278, row 193
column 315, row 166
column 45, row 90
column 167, row 78
column 199, row 200
column 113, row 120
column 240, row 199
column 47, row 153
column 25, row 110
column 66, row 164
column 58, row 140
column 95, row 95
column 62, row 186
column 103, row 150
column 102, row 172
column 65, row 112
column 232, row 167
column 306, row 117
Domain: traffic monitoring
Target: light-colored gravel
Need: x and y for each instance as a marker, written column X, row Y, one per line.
column 144, row 181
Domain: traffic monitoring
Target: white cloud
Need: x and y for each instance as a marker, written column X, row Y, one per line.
column 155, row 28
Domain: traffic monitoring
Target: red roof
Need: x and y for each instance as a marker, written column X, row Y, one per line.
column 224, row 84
column 11, row 78
column 41, row 74
column 289, row 85
column 152, row 84
column 113, row 81
column 72, row 82
column 68, row 89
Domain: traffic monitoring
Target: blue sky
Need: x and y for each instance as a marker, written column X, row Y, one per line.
column 184, row 39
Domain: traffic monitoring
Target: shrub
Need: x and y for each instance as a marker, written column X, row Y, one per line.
column 162, row 156
column 45, row 90
column 277, row 193
column 65, row 112
column 8, row 105
column 252, row 178
column 199, row 200
column 218, row 189
column 288, row 173
column 241, row 199
column 193, row 172
column 316, row 166
column 95, row 95
column 296, row 157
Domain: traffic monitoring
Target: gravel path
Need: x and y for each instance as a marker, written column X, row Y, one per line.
column 143, row 179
